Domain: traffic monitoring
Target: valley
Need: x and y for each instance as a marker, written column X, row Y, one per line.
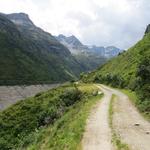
column 64, row 82
column 90, row 57
column 39, row 56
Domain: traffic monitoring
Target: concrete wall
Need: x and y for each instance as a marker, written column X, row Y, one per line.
column 11, row 94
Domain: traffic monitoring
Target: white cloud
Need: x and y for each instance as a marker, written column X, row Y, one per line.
column 101, row 22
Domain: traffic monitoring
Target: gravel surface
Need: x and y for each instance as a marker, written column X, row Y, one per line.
column 97, row 135
column 128, row 123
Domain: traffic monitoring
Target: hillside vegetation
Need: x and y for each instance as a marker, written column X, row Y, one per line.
column 30, row 55
column 130, row 69
column 48, row 120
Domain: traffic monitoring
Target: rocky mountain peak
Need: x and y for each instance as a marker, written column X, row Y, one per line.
column 20, row 19
column 72, row 39
column 61, row 36
column 147, row 29
column 76, row 47
column 7, row 27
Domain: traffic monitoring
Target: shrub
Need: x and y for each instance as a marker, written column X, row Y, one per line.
column 23, row 118
column 112, row 79
column 143, row 84
column 70, row 96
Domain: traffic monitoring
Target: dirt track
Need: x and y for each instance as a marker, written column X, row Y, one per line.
column 98, row 134
column 127, row 122
column 133, row 129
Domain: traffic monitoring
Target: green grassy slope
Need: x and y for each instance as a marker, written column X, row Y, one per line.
column 131, row 69
column 31, row 56
column 126, row 64
column 49, row 120
column 18, row 66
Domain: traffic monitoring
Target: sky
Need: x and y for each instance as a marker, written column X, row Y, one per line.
column 95, row 22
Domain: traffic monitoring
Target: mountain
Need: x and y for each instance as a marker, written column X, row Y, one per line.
column 71, row 40
column 131, row 69
column 72, row 43
column 76, row 47
column 21, row 19
column 99, row 50
column 147, row 29
column 31, row 55
column 82, row 53
column 112, row 51
column 90, row 56
column 108, row 52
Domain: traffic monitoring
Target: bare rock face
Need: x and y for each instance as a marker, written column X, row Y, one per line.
column 72, row 43
column 7, row 27
column 21, row 19
column 85, row 55
column 147, row 29
column 76, row 47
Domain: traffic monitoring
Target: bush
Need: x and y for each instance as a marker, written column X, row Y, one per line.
column 143, row 85
column 70, row 96
column 111, row 79
column 23, row 118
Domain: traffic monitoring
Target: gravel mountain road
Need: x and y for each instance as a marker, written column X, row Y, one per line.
column 128, row 123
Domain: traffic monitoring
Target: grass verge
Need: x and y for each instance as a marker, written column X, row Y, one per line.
column 116, row 140
column 51, row 120
column 67, row 132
